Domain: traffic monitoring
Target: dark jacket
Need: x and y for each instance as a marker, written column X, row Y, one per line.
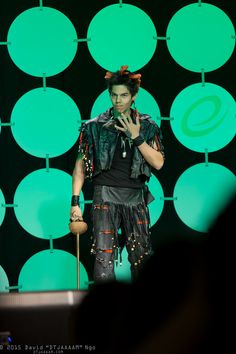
column 97, row 143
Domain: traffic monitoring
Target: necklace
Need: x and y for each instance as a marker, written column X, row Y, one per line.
column 123, row 145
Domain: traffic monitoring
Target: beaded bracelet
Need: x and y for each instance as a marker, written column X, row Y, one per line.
column 138, row 141
column 75, row 200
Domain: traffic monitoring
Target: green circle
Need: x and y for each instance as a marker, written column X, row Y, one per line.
column 201, row 192
column 42, row 41
column 4, row 283
column 43, row 203
column 117, row 34
column 51, row 270
column 157, row 205
column 200, row 37
column 204, row 117
column 2, row 207
column 45, row 122
column 144, row 102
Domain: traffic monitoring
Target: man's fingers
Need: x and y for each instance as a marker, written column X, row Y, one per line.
column 137, row 119
column 76, row 214
column 126, row 118
column 122, row 122
column 76, row 217
column 120, row 128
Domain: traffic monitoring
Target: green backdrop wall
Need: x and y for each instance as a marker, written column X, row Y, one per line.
column 53, row 57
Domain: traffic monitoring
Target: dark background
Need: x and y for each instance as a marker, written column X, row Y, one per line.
column 83, row 81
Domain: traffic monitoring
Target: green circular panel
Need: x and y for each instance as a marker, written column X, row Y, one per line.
column 4, row 283
column 42, row 41
column 201, row 192
column 121, row 35
column 51, row 270
column 201, row 37
column 45, row 122
column 144, row 102
column 43, row 203
column 157, row 205
column 2, row 207
column 204, row 117
column 122, row 271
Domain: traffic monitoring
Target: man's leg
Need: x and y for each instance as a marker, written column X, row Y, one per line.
column 137, row 233
column 104, row 246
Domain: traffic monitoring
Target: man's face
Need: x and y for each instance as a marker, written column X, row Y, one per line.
column 121, row 98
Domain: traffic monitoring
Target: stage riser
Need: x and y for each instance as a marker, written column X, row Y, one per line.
column 40, row 318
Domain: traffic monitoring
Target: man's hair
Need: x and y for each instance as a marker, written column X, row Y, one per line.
column 123, row 77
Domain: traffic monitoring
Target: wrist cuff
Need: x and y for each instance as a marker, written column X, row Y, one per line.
column 138, row 141
column 75, row 200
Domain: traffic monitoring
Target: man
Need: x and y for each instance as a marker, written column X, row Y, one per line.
column 118, row 150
